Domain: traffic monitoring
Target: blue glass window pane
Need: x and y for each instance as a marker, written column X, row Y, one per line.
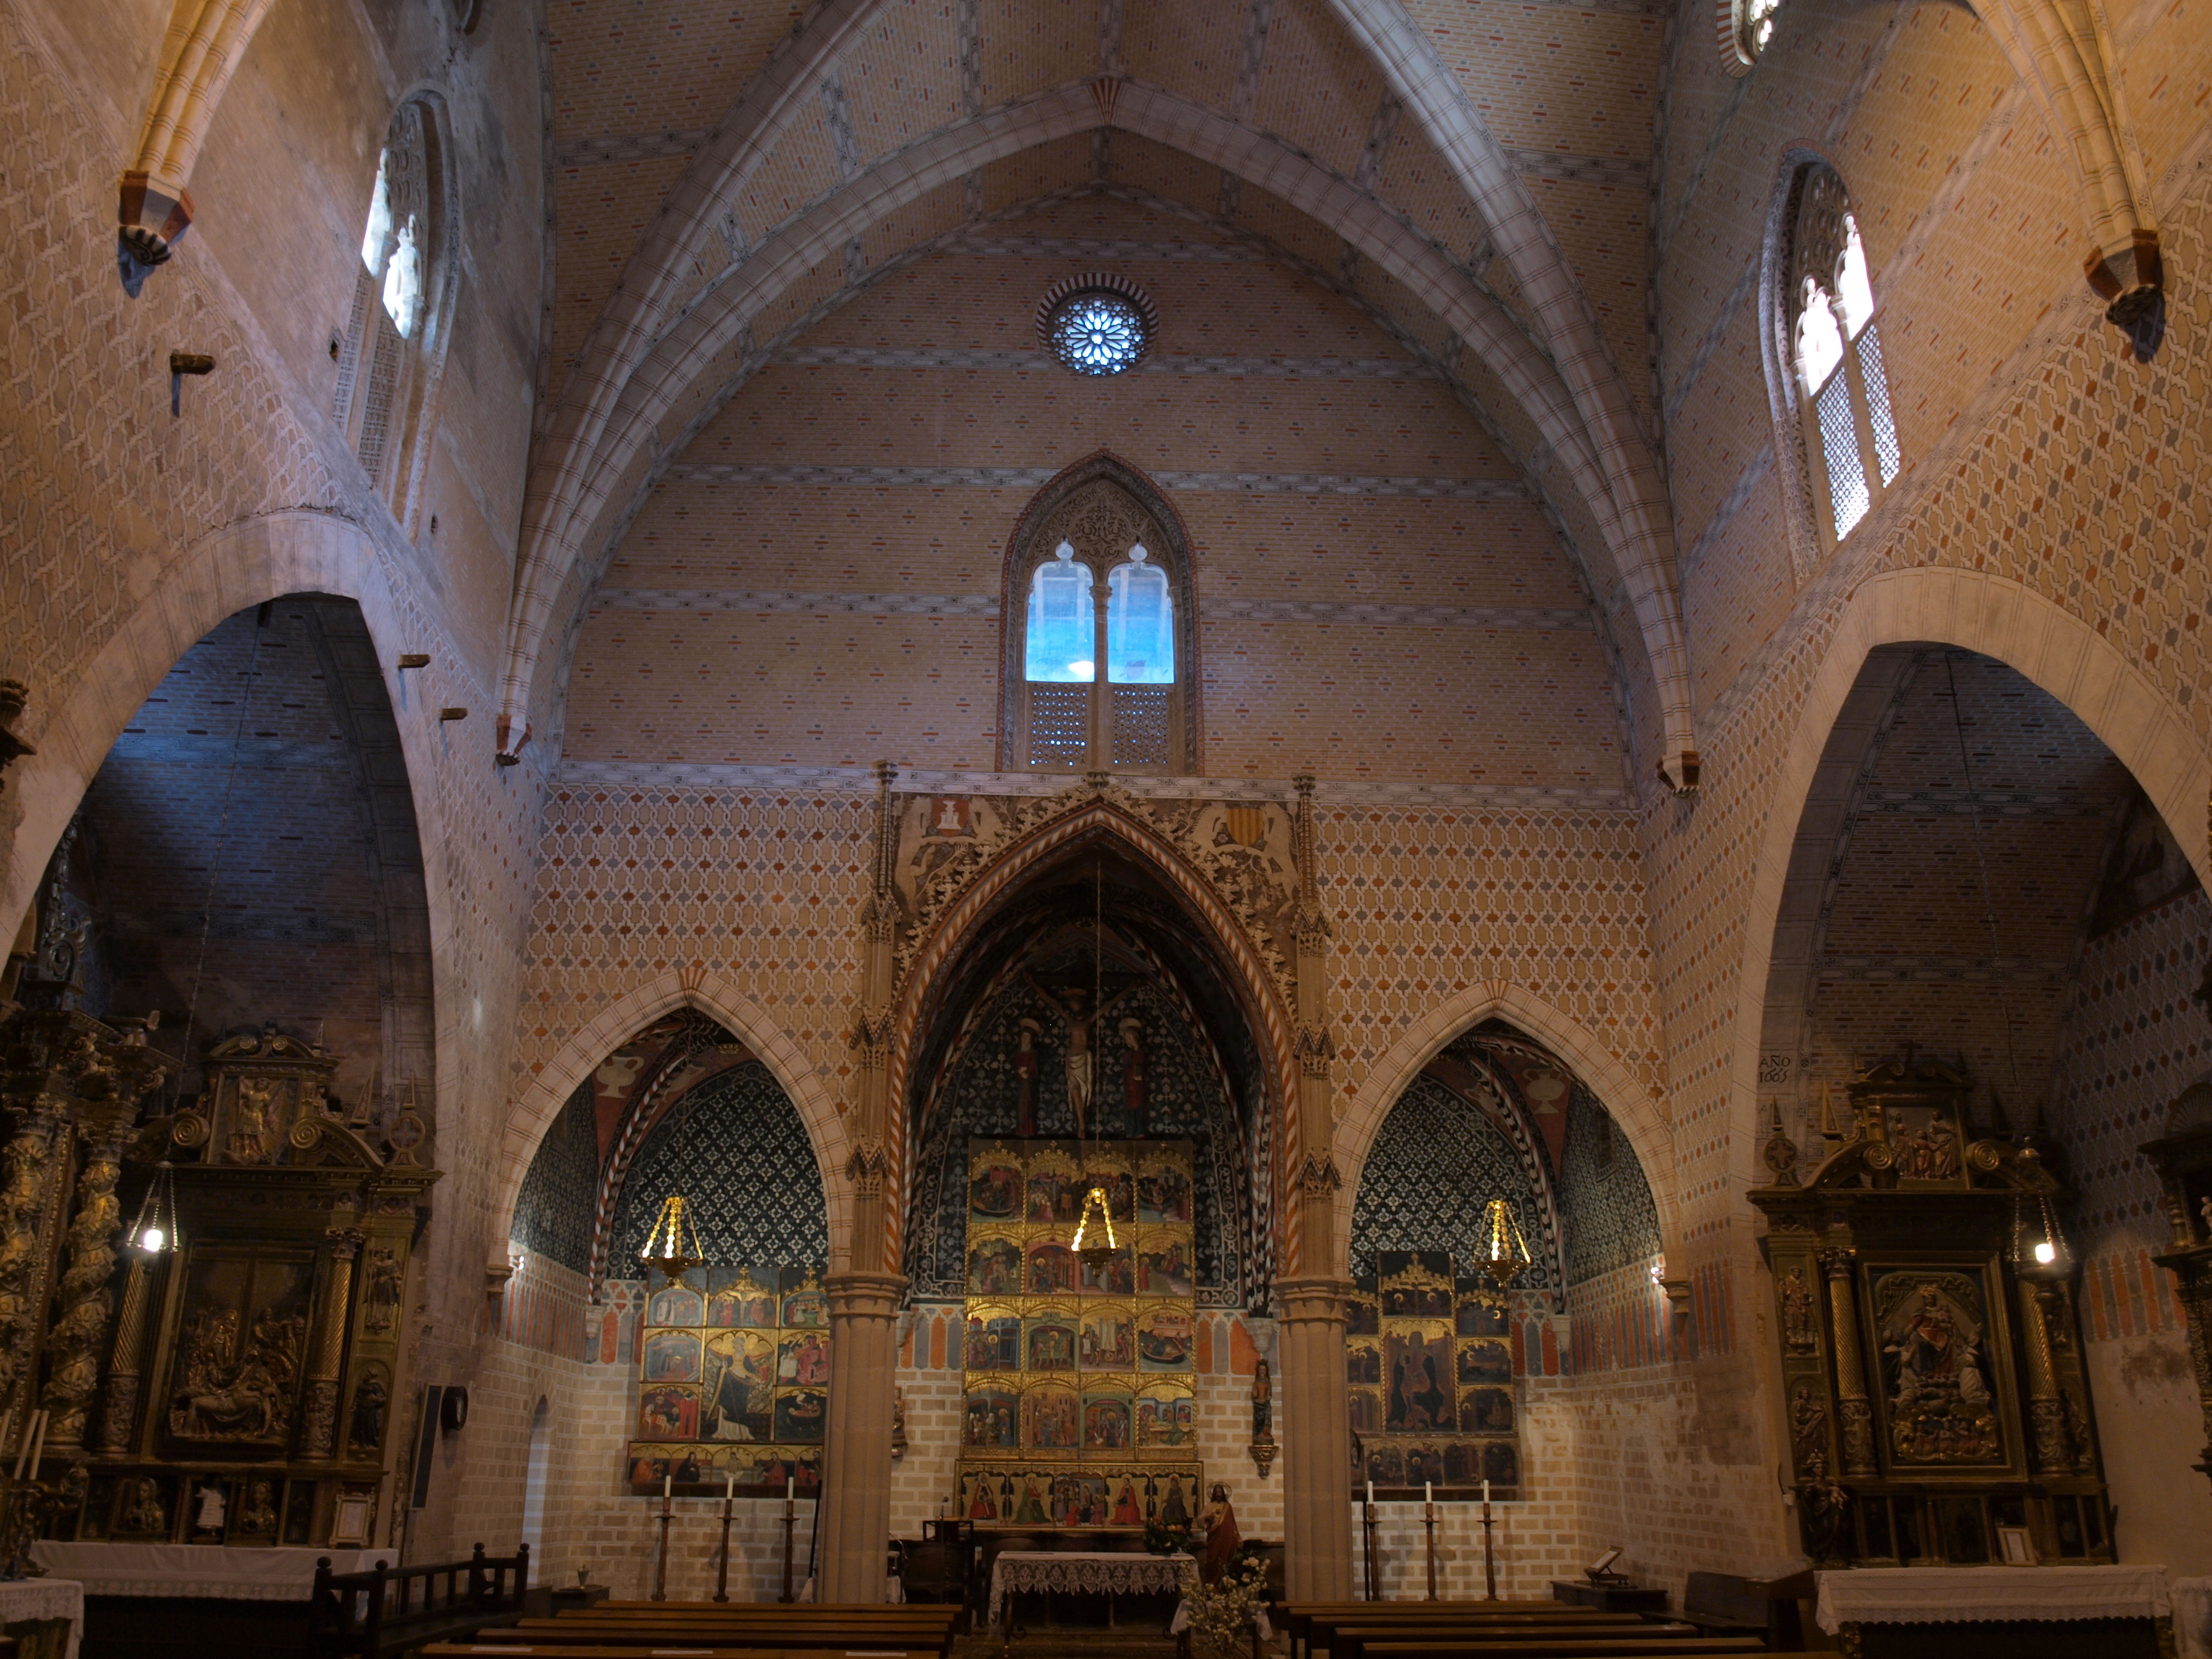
column 1139, row 624
column 1060, row 638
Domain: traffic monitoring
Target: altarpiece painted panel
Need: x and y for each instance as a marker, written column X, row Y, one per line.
column 1080, row 1408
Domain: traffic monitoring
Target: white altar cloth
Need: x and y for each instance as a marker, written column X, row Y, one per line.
column 1915, row 1595
column 1096, row 1572
column 44, row 1598
column 212, row 1570
column 2192, row 1617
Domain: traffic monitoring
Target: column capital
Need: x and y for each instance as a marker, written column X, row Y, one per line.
column 865, row 1295
column 1313, row 1299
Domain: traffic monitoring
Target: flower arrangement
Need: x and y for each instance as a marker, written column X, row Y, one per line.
column 1162, row 1539
column 1221, row 1613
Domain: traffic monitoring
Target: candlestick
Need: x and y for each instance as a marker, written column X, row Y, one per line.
column 1429, row 1528
column 1489, row 1549
column 1367, row 1527
column 790, row 1521
column 660, row 1564
column 722, row 1560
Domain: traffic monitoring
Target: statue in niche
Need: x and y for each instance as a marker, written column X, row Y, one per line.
column 1796, row 1299
column 1082, row 1062
column 1263, row 1403
column 382, row 1299
column 1809, row 1432
column 1025, row 1068
column 1940, row 1404
column 1133, row 1076
column 256, row 1114
column 145, row 1512
column 367, row 1427
column 260, row 1515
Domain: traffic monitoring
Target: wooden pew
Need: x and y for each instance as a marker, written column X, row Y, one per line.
column 1314, row 1624
column 1356, row 1641
column 588, row 1650
column 1514, row 1645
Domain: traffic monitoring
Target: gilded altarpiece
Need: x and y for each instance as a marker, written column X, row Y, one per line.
column 256, row 1371
column 1932, row 1374
column 1080, row 1410
column 1429, row 1364
column 733, row 1382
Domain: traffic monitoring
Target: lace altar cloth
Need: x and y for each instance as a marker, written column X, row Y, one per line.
column 1917, row 1595
column 216, row 1571
column 44, row 1598
column 2192, row 1617
column 1095, row 1572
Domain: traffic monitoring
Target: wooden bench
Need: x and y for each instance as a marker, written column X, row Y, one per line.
column 387, row 1610
column 1356, row 1641
column 1724, row 1604
column 1595, row 1645
column 1316, row 1629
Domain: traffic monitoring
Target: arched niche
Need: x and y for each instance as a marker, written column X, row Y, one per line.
column 681, row 1106
column 1096, row 916
column 246, row 854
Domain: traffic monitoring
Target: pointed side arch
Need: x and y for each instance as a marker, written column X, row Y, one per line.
column 1630, row 1104
column 1100, row 819
column 533, row 1111
column 2020, row 628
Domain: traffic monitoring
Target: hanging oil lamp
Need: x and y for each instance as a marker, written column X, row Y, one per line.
column 672, row 1246
column 154, row 1231
column 1504, row 1253
column 1100, row 1251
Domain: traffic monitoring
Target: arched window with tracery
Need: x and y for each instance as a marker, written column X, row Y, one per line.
column 394, row 345
column 1838, row 387
column 1099, row 635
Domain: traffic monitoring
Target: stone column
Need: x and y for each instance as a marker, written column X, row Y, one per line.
column 856, row 1487
column 319, row 1405
column 864, row 1299
column 1854, row 1416
column 1317, row 1440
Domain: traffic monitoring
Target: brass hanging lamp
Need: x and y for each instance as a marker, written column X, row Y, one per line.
column 672, row 1245
column 1503, row 1253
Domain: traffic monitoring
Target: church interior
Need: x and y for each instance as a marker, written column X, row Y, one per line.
column 1415, row 791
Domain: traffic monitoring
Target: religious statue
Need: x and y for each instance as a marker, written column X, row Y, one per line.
column 1133, row 1076
column 144, row 1511
column 1025, row 1068
column 1263, row 1403
column 259, row 1516
column 1218, row 1522
column 367, row 1428
column 253, row 1119
column 1797, row 1297
column 899, row 1422
column 1082, row 1062
column 1940, row 1407
column 381, row 1297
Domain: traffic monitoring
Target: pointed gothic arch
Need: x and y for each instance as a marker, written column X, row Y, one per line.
column 1104, row 821
column 532, row 1112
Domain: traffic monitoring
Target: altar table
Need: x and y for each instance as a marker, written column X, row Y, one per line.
column 200, row 1571
column 1086, row 1572
column 2192, row 1617
column 1897, row 1607
column 24, row 1599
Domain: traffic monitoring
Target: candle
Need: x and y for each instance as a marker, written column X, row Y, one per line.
column 1486, row 1493
column 1428, row 1491
column 790, row 1487
column 1370, row 1491
column 729, row 1484
column 667, row 1486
